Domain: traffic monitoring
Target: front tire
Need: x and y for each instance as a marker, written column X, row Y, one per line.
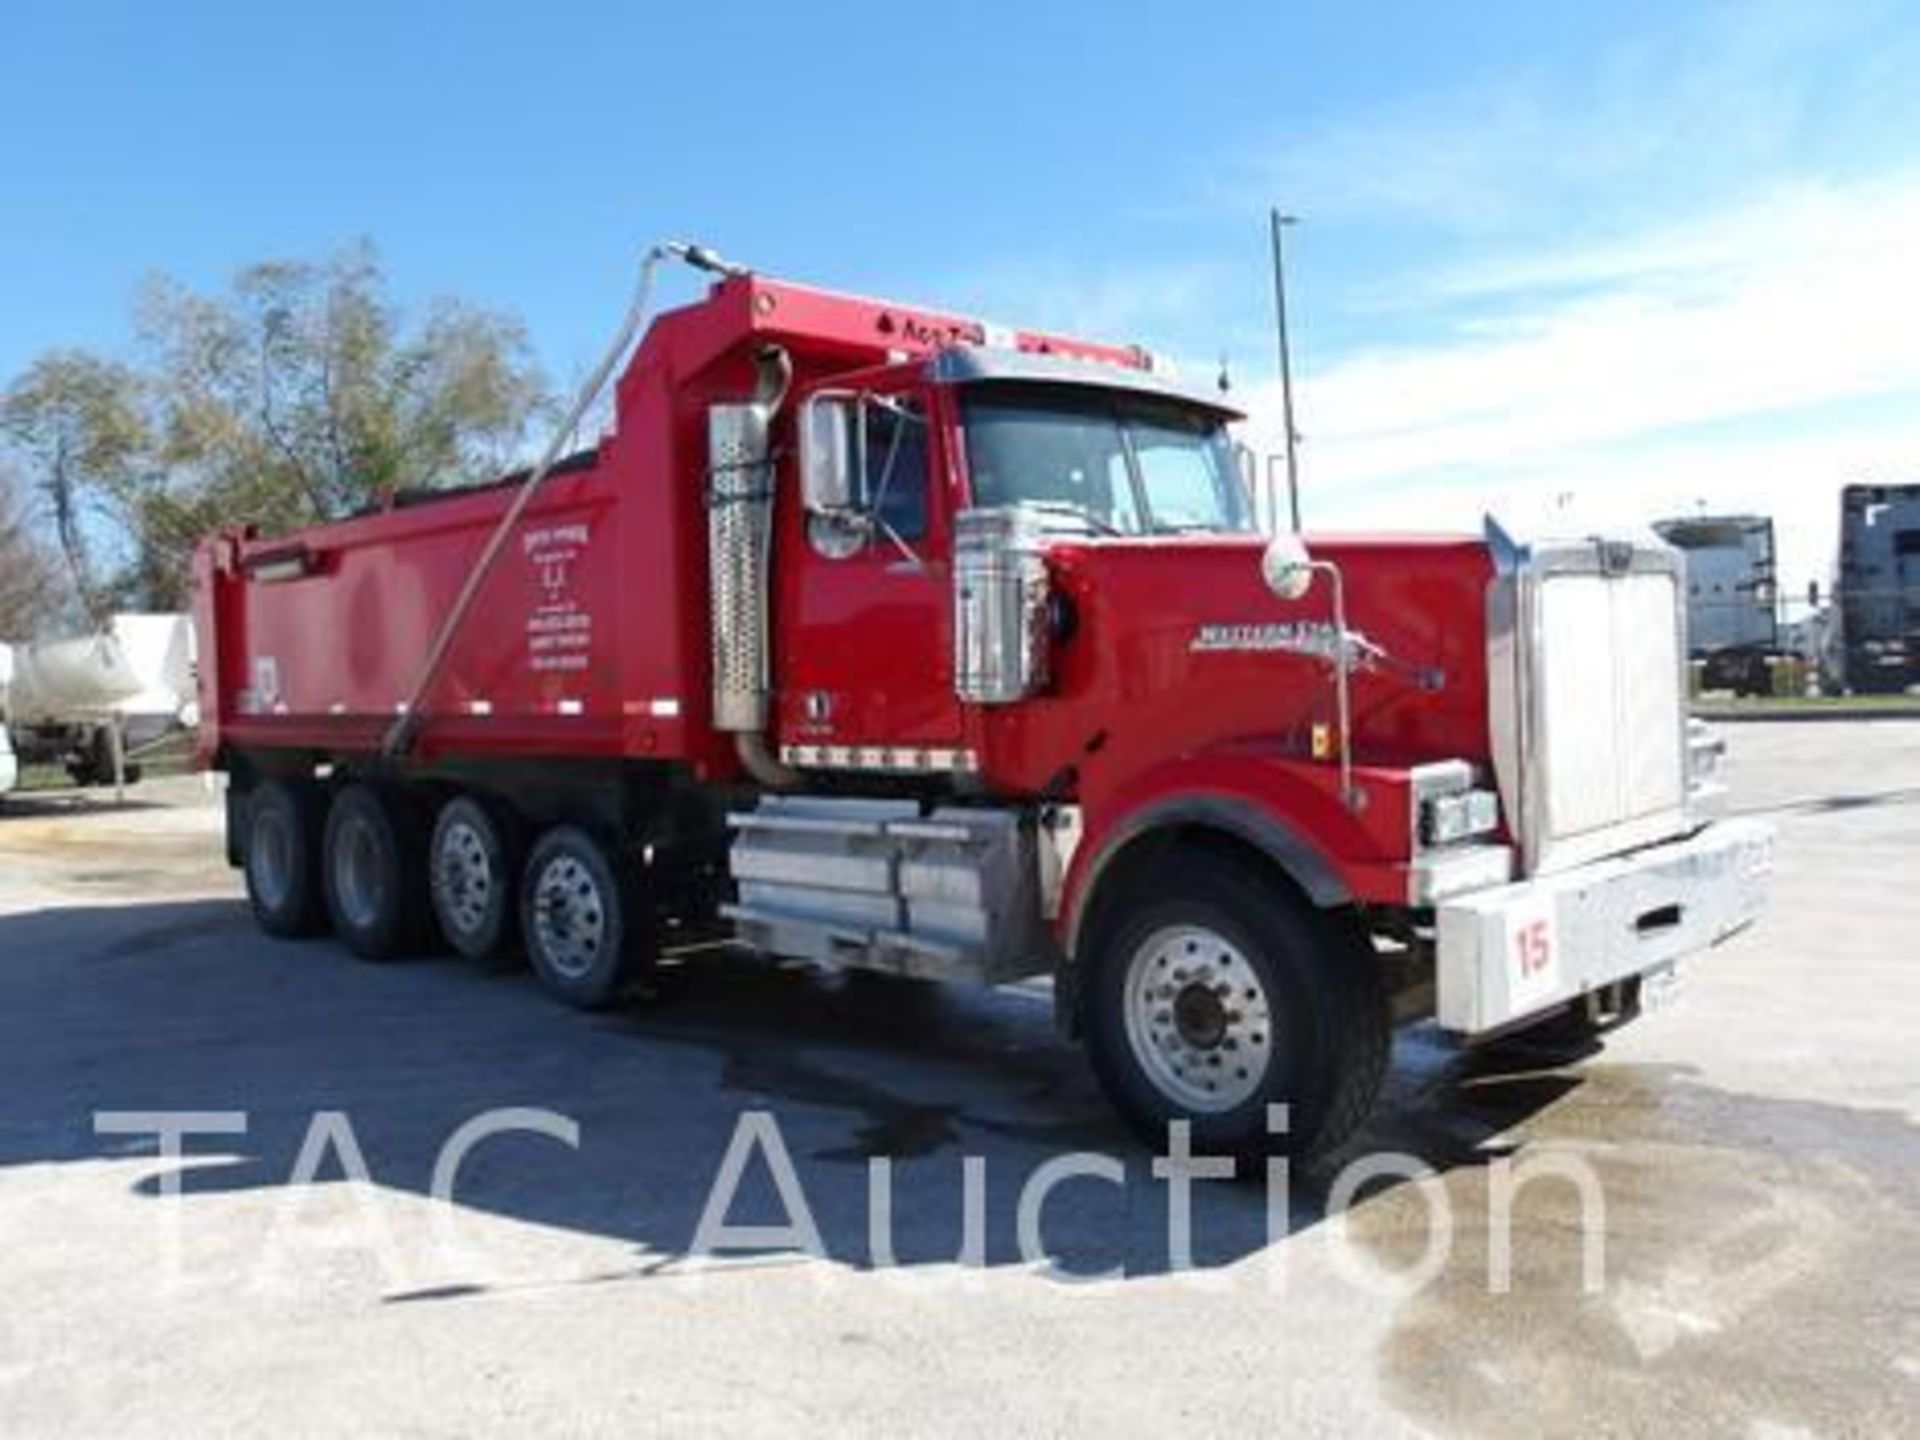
column 1221, row 994
column 586, row 933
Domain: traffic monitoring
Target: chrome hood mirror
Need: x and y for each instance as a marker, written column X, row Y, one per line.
column 1286, row 566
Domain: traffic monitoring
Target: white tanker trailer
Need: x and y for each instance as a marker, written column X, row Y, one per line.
column 66, row 702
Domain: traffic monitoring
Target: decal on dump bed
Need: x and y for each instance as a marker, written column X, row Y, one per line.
column 263, row 696
column 560, row 629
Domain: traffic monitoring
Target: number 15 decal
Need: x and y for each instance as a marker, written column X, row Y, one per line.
column 1533, row 947
column 1534, row 973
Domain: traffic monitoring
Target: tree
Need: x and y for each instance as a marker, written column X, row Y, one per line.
column 296, row 396
column 76, row 422
column 30, row 593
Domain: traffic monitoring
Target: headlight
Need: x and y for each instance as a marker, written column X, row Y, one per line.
column 1447, row 819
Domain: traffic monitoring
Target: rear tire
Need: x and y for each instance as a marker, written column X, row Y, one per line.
column 375, row 870
column 282, row 859
column 586, row 931
column 474, row 864
column 1222, row 993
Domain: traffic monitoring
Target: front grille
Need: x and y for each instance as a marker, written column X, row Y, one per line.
column 1594, row 700
column 1610, row 681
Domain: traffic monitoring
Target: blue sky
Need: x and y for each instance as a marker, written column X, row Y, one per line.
column 1573, row 261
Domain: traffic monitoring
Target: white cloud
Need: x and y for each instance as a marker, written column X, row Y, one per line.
column 1681, row 268
column 1107, row 300
column 1749, row 357
column 1795, row 480
column 1651, row 116
column 1819, row 219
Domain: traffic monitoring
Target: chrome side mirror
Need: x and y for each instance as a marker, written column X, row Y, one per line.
column 1286, row 566
column 829, row 429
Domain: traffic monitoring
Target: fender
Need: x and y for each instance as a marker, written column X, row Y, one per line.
column 1284, row 808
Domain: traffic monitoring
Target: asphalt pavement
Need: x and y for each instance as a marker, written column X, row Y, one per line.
column 1709, row 1226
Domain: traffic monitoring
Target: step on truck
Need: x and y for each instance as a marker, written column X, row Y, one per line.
column 886, row 639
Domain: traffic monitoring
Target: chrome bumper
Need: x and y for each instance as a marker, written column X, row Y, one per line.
column 1514, row 951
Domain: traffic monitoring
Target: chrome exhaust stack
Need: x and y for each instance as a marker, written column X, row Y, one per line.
column 740, row 490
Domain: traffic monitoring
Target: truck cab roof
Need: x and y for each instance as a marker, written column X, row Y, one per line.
column 973, row 364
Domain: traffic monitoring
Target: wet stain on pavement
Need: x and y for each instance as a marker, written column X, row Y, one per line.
column 156, row 939
column 1757, row 1266
column 892, row 1126
column 787, row 1034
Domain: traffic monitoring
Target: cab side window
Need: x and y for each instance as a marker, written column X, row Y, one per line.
column 895, row 483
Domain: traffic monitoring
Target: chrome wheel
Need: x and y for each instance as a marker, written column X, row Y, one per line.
column 569, row 917
column 1198, row 1018
column 463, row 878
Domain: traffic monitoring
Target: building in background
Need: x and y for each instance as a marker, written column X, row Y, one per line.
column 1733, row 625
column 1877, row 588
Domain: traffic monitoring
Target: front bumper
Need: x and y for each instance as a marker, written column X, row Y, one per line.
column 1515, row 951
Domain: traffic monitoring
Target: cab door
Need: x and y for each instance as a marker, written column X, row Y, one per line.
column 864, row 640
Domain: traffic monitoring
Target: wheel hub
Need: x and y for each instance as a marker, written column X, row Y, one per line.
column 1198, row 1018
column 466, row 877
column 569, row 918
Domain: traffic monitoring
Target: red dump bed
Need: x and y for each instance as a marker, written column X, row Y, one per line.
column 586, row 638
column 574, row 643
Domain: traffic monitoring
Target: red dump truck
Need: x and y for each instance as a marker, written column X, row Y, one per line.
column 885, row 638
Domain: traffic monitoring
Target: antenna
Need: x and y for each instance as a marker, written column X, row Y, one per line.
column 1280, row 222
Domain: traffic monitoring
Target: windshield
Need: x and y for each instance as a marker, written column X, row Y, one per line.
column 1117, row 463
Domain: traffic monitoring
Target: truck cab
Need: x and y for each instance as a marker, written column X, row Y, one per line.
column 1455, row 773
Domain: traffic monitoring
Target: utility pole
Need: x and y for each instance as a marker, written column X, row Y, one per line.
column 1280, row 222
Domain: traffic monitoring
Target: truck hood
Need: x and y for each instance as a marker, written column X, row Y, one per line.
column 1173, row 645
